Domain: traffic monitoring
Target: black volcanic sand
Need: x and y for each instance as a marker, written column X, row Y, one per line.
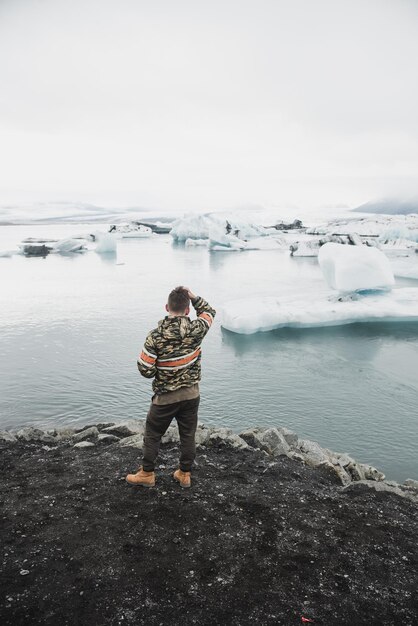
column 249, row 543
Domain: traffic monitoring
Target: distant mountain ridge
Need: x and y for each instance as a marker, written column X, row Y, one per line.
column 389, row 206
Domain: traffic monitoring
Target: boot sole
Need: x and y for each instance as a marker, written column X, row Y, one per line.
column 182, row 486
column 139, row 484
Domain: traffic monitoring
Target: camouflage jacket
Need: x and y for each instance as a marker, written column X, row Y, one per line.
column 172, row 351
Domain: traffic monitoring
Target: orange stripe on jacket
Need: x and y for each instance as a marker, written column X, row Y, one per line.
column 180, row 362
column 207, row 317
column 146, row 358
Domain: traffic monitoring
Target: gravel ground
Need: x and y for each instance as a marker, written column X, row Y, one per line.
column 252, row 542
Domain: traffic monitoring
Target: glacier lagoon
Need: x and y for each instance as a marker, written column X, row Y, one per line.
column 71, row 328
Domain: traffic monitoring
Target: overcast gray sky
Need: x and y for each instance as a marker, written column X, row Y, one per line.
column 196, row 104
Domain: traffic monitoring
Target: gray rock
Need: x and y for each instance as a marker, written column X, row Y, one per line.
column 291, row 437
column 106, row 438
column 171, row 435
column 371, row 473
column 86, row 434
column 65, row 433
column 30, row 434
column 84, row 444
column 6, row 436
column 354, row 470
column 358, row 471
column 35, row 250
column 251, row 436
column 410, row 482
column 125, row 429
column 48, row 438
column 134, row 441
column 343, row 459
column 226, row 437
column 312, row 452
column 338, row 471
column 381, row 486
column 271, row 440
column 103, row 425
column 202, row 435
column 296, row 456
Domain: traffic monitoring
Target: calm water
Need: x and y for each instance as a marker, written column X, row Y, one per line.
column 71, row 328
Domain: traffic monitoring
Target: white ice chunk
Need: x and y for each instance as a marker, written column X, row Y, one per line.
column 406, row 267
column 190, row 243
column 200, row 227
column 398, row 247
column 66, row 246
column 352, row 268
column 223, row 241
column 263, row 314
column 230, row 243
column 386, row 227
column 131, row 230
column 106, row 243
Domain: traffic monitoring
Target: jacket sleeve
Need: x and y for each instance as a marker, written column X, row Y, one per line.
column 147, row 359
column 205, row 316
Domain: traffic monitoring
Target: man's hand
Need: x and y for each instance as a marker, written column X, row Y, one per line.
column 190, row 293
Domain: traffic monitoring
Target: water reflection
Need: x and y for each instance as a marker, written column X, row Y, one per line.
column 108, row 258
column 353, row 342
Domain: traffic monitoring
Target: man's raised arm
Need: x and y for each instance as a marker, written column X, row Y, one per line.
column 147, row 359
column 205, row 314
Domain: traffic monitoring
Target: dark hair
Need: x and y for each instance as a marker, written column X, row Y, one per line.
column 178, row 300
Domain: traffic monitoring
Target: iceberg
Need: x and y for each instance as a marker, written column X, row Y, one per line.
column 398, row 247
column 268, row 313
column 6, row 254
column 67, row 246
column 406, row 267
column 193, row 243
column 311, row 246
column 131, row 230
column 200, row 227
column 106, row 243
column 353, row 268
column 222, row 241
column 383, row 227
column 230, row 243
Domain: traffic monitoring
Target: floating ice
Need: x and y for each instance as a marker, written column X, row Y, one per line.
column 200, row 227
column 394, row 247
column 230, row 243
column 67, row 246
column 385, row 227
column 263, row 314
column 191, row 243
column 5, row 254
column 406, row 267
column 131, row 230
column 106, row 243
column 353, row 268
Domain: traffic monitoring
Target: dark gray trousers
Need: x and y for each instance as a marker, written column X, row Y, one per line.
column 159, row 419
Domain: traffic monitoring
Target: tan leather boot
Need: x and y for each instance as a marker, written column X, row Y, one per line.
column 145, row 479
column 184, row 478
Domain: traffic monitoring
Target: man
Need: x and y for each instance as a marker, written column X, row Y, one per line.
column 171, row 355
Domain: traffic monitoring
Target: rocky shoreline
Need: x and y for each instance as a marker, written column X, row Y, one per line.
column 275, row 530
column 272, row 441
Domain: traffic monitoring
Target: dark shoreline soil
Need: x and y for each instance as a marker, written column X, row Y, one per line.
column 252, row 542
